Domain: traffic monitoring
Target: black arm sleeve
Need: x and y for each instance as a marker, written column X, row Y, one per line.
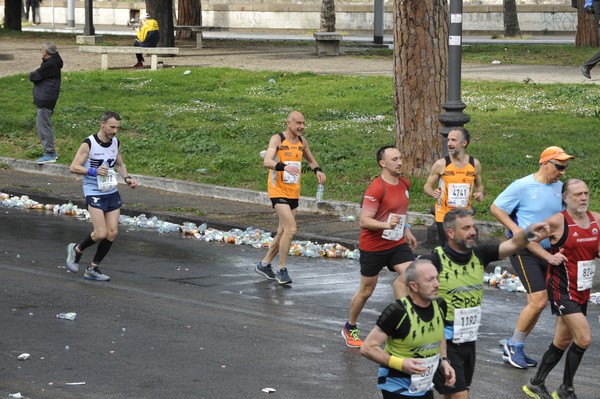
column 394, row 320
column 488, row 253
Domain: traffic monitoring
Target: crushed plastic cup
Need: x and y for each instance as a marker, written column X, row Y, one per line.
column 24, row 356
column 67, row 316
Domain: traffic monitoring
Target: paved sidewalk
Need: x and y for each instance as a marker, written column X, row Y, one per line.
column 295, row 60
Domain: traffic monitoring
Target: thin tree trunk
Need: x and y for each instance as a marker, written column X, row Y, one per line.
column 511, row 19
column 189, row 13
column 327, row 16
column 420, row 80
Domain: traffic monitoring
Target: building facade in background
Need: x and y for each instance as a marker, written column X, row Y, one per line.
column 352, row 16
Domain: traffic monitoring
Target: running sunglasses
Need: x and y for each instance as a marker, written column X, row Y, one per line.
column 558, row 166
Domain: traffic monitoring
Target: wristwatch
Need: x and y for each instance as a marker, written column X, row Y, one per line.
column 446, row 359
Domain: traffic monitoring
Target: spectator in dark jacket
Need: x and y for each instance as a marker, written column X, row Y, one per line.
column 34, row 6
column 46, row 89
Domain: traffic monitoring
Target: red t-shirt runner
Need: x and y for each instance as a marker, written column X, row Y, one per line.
column 383, row 199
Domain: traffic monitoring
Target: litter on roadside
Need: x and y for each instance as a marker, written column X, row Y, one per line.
column 252, row 236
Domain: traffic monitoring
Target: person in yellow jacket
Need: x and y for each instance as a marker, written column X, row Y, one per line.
column 147, row 36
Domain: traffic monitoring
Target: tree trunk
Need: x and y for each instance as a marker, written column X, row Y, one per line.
column 420, row 80
column 162, row 11
column 327, row 16
column 511, row 19
column 12, row 14
column 587, row 32
column 190, row 13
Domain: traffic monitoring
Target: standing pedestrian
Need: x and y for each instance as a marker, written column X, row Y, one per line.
column 46, row 89
column 458, row 176
column 594, row 59
column 574, row 237
column 34, row 6
column 412, row 352
column 96, row 159
column 531, row 199
column 283, row 158
column 385, row 240
column 461, row 265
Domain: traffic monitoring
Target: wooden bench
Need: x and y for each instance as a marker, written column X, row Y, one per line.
column 152, row 51
column 198, row 30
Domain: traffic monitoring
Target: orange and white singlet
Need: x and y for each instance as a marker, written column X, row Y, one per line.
column 457, row 188
column 282, row 184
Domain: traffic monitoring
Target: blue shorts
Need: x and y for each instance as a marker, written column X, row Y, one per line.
column 107, row 203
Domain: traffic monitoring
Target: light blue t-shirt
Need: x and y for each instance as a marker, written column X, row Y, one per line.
column 529, row 201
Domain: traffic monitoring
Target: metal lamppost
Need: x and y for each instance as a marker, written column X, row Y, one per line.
column 88, row 29
column 454, row 115
column 378, row 12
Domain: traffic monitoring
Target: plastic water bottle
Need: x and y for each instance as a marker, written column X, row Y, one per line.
column 320, row 191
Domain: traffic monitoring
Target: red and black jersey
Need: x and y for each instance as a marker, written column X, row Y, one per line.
column 577, row 244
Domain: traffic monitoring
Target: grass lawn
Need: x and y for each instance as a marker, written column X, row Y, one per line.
column 210, row 125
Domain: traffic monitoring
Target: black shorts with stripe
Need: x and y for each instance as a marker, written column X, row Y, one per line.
column 531, row 270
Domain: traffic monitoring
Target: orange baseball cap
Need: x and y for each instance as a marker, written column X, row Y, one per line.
column 554, row 152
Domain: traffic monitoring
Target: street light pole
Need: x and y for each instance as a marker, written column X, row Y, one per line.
column 378, row 22
column 454, row 115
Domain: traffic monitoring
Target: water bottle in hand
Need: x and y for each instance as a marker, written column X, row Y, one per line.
column 320, row 191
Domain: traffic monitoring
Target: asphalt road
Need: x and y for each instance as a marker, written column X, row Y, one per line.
column 183, row 318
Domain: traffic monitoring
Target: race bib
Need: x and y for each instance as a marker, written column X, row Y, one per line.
column 458, row 195
column 585, row 274
column 397, row 232
column 108, row 182
column 466, row 324
column 290, row 178
column 424, row 382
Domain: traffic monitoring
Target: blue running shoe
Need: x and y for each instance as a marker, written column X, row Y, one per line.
column 265, row 271
column 47, row 159
column 530, row 362
column 283, row 277
column 515, row 354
